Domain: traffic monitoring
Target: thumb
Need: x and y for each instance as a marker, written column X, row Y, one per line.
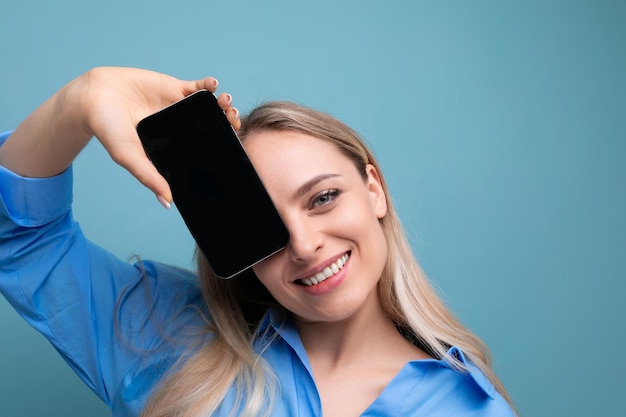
column 135, row 161
column 153, row 180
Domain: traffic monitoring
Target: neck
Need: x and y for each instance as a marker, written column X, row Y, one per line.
column 367, row 335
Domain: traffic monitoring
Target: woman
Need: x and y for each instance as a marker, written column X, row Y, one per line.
column 339, row 323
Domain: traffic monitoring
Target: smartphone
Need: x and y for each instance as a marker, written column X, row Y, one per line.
column 214, row 185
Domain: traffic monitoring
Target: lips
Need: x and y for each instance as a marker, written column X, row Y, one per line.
column 326, row 273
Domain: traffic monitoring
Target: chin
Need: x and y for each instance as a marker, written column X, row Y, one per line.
column 340, row 311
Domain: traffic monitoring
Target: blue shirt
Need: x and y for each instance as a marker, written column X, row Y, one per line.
column 94, row 309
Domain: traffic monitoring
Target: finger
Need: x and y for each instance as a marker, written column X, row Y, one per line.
column 225, row 101
column 232, row 114
column 209, row 83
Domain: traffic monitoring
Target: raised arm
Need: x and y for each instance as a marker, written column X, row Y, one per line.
column 86, row 302
column 106, row 103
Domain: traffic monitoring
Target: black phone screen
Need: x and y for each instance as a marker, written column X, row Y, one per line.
column 214, row 185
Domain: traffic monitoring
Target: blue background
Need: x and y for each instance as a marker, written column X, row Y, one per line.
column 501, row 127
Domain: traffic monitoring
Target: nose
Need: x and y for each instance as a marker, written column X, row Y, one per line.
column 305, row 240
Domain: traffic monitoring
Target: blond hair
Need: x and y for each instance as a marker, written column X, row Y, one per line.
column 236, row 306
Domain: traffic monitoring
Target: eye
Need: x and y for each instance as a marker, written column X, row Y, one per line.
column 325, row 197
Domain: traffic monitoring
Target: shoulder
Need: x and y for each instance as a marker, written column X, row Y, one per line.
column 164, row 291
column 162, row 319
column 445, row 390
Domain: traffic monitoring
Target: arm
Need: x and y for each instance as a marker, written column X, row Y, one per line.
column 76, row 294
column 109, row 320
column 106, row 103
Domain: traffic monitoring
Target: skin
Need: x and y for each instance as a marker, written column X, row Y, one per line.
column 330, row 211
column 106, row 103
column 322, row 226
column 353, row 347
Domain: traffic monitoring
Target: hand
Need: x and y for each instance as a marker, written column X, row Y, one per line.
column 118, row 98
column 106, row 103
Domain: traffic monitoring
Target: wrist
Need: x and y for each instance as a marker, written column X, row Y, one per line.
column 71, row 112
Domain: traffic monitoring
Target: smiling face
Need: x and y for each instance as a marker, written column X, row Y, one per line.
column 330, row 268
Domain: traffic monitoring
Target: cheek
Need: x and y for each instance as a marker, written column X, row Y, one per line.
column 357, row 219
column 362, row 225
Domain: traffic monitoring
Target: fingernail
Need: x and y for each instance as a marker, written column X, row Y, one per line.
column 216, row 82
column 164, row 202
column 229, row 98
column 236, row 113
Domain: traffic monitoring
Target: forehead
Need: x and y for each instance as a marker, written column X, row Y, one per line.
column 282, row 157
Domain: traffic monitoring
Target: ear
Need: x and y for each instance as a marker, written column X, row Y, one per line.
column 376, row 191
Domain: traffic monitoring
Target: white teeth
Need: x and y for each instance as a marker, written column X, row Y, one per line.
column 327, row 272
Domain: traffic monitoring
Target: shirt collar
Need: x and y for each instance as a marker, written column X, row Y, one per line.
column 281, row 325
column 277, row 324
column 473, row 372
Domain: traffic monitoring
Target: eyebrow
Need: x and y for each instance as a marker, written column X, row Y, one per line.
column 306, row 187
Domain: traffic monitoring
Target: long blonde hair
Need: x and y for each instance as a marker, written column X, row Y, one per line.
column 236, row 306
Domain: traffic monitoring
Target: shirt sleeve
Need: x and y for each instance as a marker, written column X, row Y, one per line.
column 110, row 320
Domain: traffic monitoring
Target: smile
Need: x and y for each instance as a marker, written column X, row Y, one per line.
column 328, row 272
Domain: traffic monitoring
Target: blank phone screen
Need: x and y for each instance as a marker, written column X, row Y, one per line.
column 214, row 185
